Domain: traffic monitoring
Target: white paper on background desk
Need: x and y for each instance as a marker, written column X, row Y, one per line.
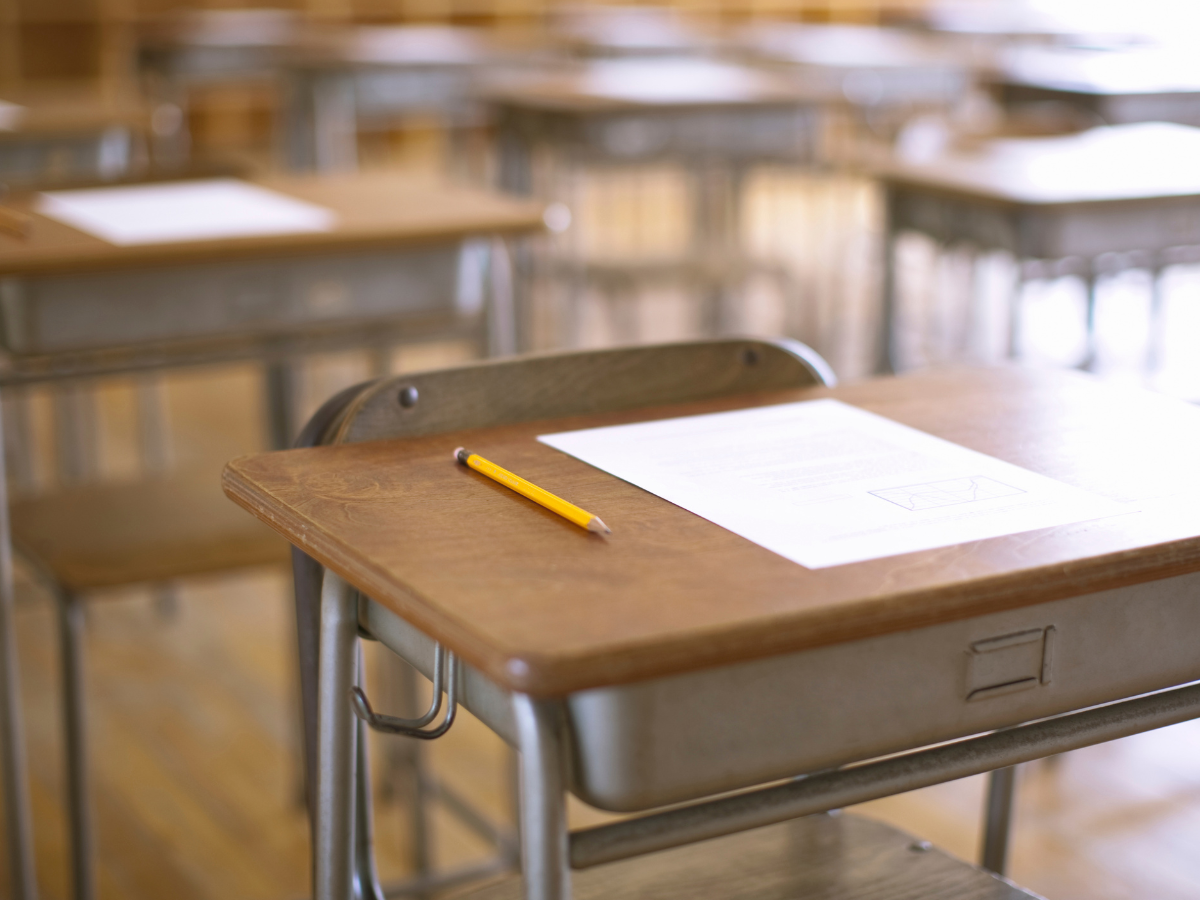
column 667, row 81
column 206, row 209
column 823, row 483
column 11, row 115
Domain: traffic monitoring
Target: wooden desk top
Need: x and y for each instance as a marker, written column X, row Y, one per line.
column 374, row 212
column 629, row 31
column 851, row 47
column 68, row 109
column 182, row 30
column 663, row 83
column 1123, row 163
column 1025, row 20
column 541, row 606
column 395, row 46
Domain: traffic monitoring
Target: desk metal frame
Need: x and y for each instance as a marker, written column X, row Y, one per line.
column 540, row 729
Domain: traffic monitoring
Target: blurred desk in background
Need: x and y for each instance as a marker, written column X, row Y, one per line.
column 1113, row 87
column 402, row 261
column 884, row 74
column 186, row 50
column 995, row 21
column 629, row 31
column 1128, row 194
column 69, row 134
column 712, row 121
column 354, row 77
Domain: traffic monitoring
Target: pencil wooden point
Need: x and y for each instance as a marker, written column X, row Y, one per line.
column 597, row 525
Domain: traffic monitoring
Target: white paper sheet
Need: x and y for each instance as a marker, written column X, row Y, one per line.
column 206, row 209
column 11, row 115
column 823, row 484
column 671, row 81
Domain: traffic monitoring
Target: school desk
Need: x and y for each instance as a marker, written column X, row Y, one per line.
column 675, row 660
column 1089, row 203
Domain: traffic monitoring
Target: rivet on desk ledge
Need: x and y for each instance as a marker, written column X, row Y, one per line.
column 920, row 846
column 408, row 397
column 750, row 356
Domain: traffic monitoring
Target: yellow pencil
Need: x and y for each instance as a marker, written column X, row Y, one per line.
column 570, row 511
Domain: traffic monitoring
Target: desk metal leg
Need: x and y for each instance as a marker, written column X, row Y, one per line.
column 281, row 398
column 335, row 123
column 17, row 820
column 1090, row 282
column 716, row 239
column 336, row 737
column 502, row 313
column 75, row 432
column 886, row 359
column 405, row 775
column 19, row 450
column 998, row 819
column 1014, row 310
column 1154, row 342
column 366, row 879
column 544, row 860
column 320, row 129
column 154, row 438
column 75, row 738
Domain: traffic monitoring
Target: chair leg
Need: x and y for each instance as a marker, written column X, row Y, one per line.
column 18, row 824
column 75, row 740
column 886, row 362
column 366, row 878
column 306, row 574
column 1091, row 286
column 998, row 819
column 1154, row 342
column 544, row 854
column 417, row 793
column 333, row 815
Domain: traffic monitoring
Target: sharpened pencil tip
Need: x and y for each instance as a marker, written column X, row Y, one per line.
column 597, row 526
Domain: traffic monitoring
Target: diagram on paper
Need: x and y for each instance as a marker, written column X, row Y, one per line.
column 947, row 493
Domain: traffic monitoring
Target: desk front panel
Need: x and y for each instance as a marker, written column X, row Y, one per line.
column 1181, row 107
column 751, row 134
column 40, row 315
column 688, row 736
column 667, row 740
column 1045, row 231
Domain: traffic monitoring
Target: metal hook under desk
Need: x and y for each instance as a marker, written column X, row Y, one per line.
column 415, row 728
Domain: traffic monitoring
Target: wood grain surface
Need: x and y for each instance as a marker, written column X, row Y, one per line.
column 543, row 607
column 375, row 212
column 822, row 857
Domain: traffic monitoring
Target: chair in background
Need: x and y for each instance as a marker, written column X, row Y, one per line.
column 80, row 541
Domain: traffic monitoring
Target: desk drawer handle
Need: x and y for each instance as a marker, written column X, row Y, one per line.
column 415, row 728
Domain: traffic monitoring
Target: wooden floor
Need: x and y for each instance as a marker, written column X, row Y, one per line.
column 195, row 769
